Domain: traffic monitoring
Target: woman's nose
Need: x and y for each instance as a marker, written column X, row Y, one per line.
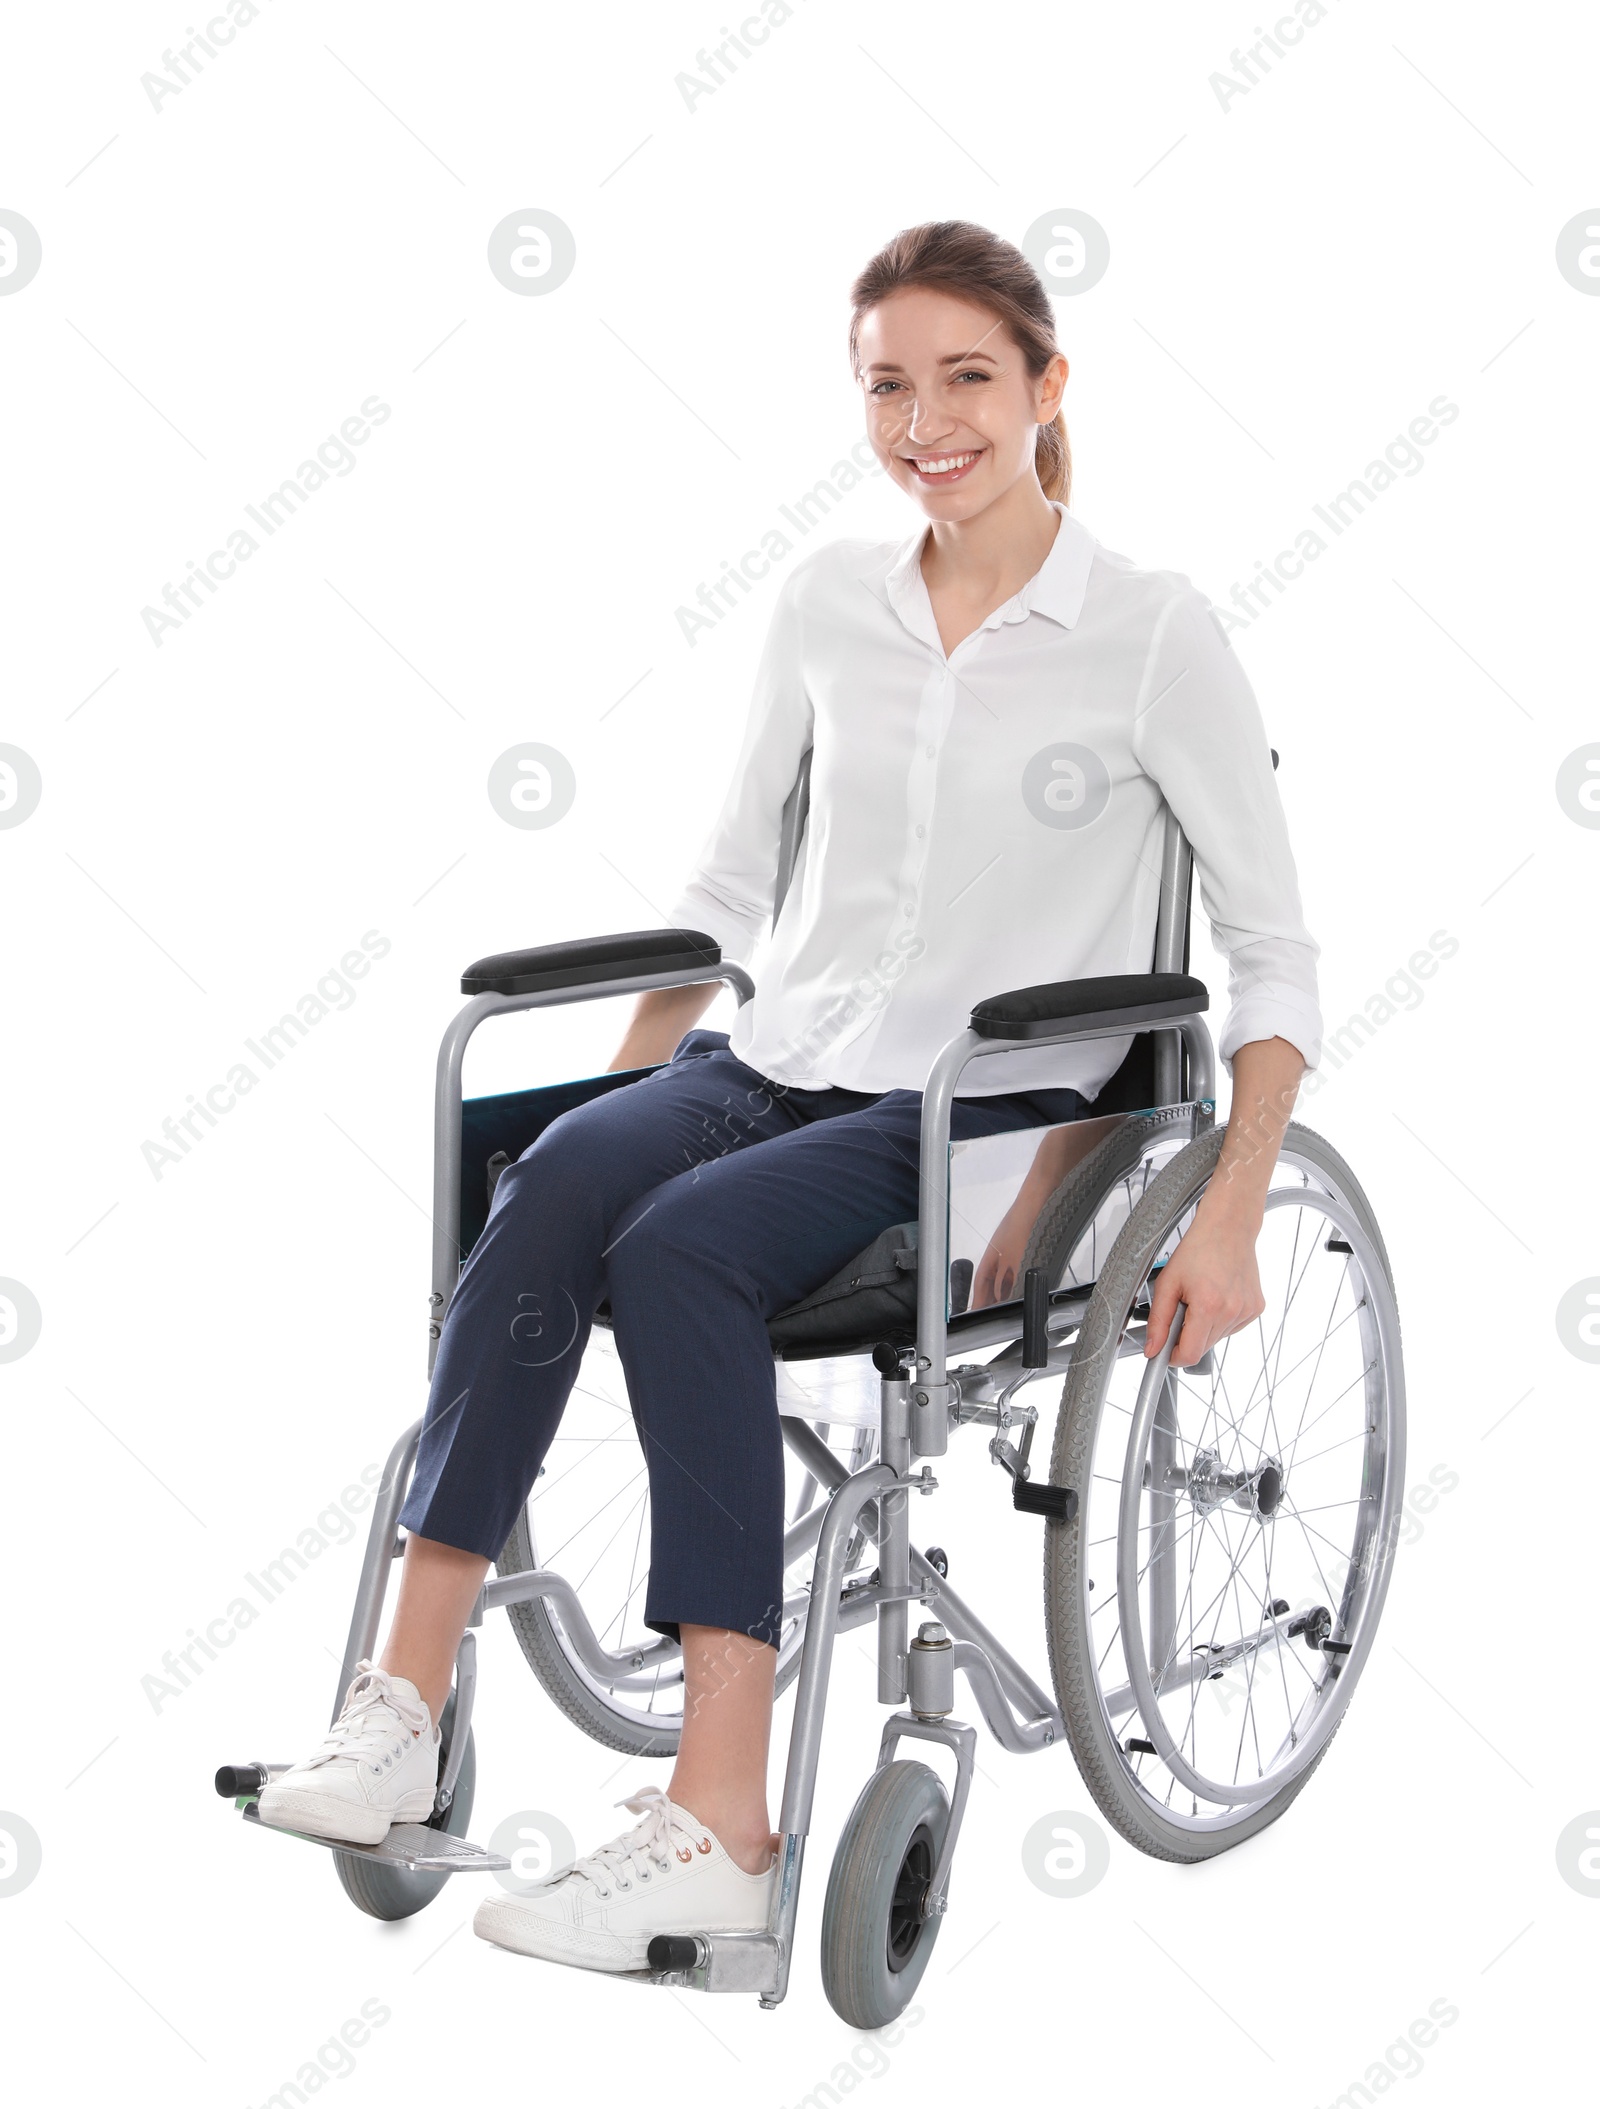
column 924, row 421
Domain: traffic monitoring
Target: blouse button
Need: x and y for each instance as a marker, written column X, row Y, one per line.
column 921, row 831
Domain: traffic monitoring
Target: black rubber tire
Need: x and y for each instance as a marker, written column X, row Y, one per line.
column 1121, row 1283
column 901, row 1808
column 535, row 1628
column 1070, row 1210
column 399, row 1892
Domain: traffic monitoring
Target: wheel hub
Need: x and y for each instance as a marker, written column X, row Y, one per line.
column 1258, row 1491
column 908, row 1911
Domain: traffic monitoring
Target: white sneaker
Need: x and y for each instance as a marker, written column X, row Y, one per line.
column 379, row 1765
column 669, row 1874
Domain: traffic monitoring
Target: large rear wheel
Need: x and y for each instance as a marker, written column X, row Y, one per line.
column 588, row 1519
column 1211, row 1606
column 1077, row 1227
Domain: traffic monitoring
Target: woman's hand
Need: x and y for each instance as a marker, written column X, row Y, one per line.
column 996, row 1276
column 660, row 1019
column 1213, row 1273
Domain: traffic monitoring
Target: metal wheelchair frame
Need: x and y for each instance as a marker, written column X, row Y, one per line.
column 919, row 1399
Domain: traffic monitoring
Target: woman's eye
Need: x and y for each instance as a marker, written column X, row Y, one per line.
column 878, row 387
column 972, row 374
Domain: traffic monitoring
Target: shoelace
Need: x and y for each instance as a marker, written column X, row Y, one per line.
column 655, row 1840
column 359, row 1727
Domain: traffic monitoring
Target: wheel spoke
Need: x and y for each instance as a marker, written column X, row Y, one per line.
column 615, row 1535
column 572, row 1537
column 589, row 1520
column 1299, row 1390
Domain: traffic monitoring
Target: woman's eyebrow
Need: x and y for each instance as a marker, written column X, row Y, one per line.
column 949, row 359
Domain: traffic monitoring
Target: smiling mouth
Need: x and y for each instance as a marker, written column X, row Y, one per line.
column 943, row 468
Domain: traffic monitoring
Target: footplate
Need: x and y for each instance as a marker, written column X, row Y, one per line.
column 410, row 1845
column 703, row 1962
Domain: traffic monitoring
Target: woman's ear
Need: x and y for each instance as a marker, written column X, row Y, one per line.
column 1052, row 386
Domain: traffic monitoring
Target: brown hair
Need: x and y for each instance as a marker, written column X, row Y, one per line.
column 959, row 257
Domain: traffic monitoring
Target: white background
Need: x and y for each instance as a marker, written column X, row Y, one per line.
column 1292, row 281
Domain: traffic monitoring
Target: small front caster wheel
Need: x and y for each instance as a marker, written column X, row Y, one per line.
column 875, row 1938
column 399, row 1892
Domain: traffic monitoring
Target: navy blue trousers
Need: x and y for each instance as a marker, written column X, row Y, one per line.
column 697, row 1201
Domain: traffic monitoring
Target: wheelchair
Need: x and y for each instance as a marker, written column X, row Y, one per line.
column 1217, row 1539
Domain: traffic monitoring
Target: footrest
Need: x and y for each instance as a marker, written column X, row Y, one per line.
column 411, row 1845
column 1039, row 1498
column 674, row 1951
column 715, row 1962
column 241, row 1782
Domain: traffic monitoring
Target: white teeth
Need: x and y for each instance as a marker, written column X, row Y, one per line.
column 944, row 464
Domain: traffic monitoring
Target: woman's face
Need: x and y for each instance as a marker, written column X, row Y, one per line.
column 952, row 411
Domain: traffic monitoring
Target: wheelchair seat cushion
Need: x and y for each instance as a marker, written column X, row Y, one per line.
column 872, row 1297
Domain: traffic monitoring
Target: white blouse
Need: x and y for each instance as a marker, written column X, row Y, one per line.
column 991, row 820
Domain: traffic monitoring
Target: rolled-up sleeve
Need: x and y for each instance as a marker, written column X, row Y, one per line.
column 729, row 892
column 1198, row 733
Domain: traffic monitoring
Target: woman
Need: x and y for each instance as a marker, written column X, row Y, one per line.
column 995, row 710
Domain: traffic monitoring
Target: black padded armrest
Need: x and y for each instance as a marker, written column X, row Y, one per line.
column 1131, row 1002
column 584, row 959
